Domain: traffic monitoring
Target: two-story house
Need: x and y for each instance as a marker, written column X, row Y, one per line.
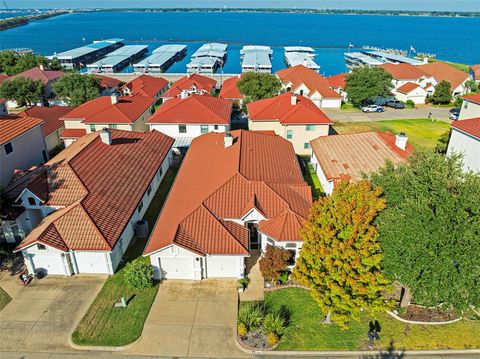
column 293, row 117
column 234, row 194
column 470, row 107
column 108, row 85
column 146, row 85
column 128, row 113
column 191, row 84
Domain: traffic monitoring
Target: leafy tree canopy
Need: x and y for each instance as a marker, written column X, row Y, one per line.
column 341, row 259
column 257, row 86
column 365, row 84
column 77, row 89
column 23, row 91
column 431, row 228
column 12, row 63
column 443, row 93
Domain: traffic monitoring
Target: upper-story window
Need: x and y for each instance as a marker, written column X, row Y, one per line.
column 41, row 247
column 140, row 206
column 306, row 146
column 182, row 128
column 310, row 127
column 289, row 134
column 92, row 128
column 113, row 126
column 8, row 148
column 149, row 190
column 215, row 127
column 204, row 128
column 31, row 201
column 465, row 104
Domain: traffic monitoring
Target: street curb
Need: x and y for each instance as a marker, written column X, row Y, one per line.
column 366, row 353
column 101, row 348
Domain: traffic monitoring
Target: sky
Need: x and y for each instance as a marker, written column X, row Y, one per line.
column 442, row 5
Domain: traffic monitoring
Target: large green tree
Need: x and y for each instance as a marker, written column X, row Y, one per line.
column 430, row 231
column 23, row 91
column 365, row 84
column 341, row 259
column 12, row 63
column 76, row 89
column 257, row 86
column 443, row 93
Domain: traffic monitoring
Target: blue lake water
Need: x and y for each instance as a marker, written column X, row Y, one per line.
column 451, row 39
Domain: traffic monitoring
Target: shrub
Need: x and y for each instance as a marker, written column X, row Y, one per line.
column 251, row 314
column 139, row 274
column 272, row 339
column 274, row 323
column 242, row 330
column 243, row 282
column 409, row 104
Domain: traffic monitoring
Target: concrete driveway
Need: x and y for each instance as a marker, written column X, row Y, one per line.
column 191, row 319
column 43, row 315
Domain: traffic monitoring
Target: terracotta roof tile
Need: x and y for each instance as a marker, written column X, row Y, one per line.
column 146, row 85
column 405, row 71
column 230, row 90
column 73, row 133
column 408, row 87
column 12, row 126
column 444, row 72
column 38, row 74
column 474, row 68
column 473, row 98
column 470, row 126
column 187, row 82
column 285, row 227
column 108, row 82
column 50, row 116
column 337, row 81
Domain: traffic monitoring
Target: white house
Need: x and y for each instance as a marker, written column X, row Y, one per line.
column 346, row 157
column 234, row 194
column 87, row 206
column 470, row 107
column 465, row 139
column 191, row 84
column 146, row 85
column 411, row 91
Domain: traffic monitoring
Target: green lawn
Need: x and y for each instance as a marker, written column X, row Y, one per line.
column 312, row 179
column 4, row 298
column 106, row 325
column 306, row 332
column 348, row 106
column 421, row 132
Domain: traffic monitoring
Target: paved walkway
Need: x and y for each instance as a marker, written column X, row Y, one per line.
column 191, row 319
column 254, row 290
column 440, row 113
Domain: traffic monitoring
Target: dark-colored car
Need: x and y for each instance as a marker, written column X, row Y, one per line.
column 454, row 111
column 396, row 104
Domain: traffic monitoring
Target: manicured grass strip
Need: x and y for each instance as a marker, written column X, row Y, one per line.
column 348, row 106
column 4, row 298
column 312, row 179
column 421, row 132
column 106, row 325
column 306, row 332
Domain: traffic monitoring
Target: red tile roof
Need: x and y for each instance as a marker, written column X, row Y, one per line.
column 350, row 155
column 444, row 72
column 230, row 90
column 408, row 87
column 73, row 133
column 127, row 109
column 50, row 116
column 298, row 75
column 36, row 73
column 474, row 68
column 258, row 171
column 195, row 109
column 405, row 71
column 3, row 100
column 281, row 109
column 12, row 126
column 146, row 85
column 337, row 81
column 3, row 77
column 108, row 82
column 97, row 195
column 473, row 98
column 188, row 82
column 470, row 126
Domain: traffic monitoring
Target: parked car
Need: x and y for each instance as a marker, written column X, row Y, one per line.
column 454, row 116
column 396, row 104
column 455, row 110
column 373, row 108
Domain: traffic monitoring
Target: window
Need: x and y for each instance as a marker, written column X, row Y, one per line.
column 8, row 148
column 92, row 128
column 289, row 134
column 44, row 154
column 465, row 104
column 41, row 247
column 159, row 173
column 306, row 145
column 301, row 92
column 140, row 206
column 31, row 201
column 215, row 127
column 291, row 245
column 204, row 128
column 310, row 127
column 113, row 126
column 182, row 128
column 149, row 190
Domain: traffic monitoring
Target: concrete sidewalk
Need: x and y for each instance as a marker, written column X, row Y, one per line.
column 439, row 113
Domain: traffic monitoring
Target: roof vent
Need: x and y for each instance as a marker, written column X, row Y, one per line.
column 228, row 139
column 183, row 94
column 114, row 99
column 106, row 136
column 293, row 99
column 401, row 141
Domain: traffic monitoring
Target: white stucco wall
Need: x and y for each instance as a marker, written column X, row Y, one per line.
column 193, row 131
column 327, row 185
column 469, row 110
column 467, row 145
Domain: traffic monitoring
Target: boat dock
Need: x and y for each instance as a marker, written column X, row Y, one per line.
column 161, row 59
column 208, row 58
column 256, row 58
column 301, row 55
column 393, row 58
column 354, row 59
column 375, row 58
column 118, row 59
column 81, row 56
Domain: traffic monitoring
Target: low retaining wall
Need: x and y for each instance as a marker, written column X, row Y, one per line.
column 392, row 314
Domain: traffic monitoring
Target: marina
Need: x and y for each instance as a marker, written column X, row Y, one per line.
column 208, row 58
column 256, row 58
column 118, row 59
column 81, row 56
column 301, row 55
column 376, row 57
column 161, row 59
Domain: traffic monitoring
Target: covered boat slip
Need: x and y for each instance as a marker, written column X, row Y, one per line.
column 301, row 58
column 208, row 58
column 256, row 58
column 118, row 59
column 161, row 59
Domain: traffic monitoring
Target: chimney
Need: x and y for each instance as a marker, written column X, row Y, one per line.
column 401, row 141
column 41, row 67
column 183, row 94
column 239, row 76
column 189, row 75
column 106, row 136
column 114, row 99
column 228, row 139
column 293, row 99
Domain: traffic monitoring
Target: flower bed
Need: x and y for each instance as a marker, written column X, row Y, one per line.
column 418, row 313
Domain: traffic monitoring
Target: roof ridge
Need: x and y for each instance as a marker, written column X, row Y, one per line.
column 94, row 224
column 197, row 98
column 222, row 221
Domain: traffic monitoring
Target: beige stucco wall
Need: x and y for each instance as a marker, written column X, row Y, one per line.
column 469, row 110
column 53, row 140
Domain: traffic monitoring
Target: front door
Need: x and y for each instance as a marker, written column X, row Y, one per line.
column 254, row 240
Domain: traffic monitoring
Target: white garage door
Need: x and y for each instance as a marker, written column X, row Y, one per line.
column 91, row 263
column 48, row 263
column 176, row 268
column 222, row 267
